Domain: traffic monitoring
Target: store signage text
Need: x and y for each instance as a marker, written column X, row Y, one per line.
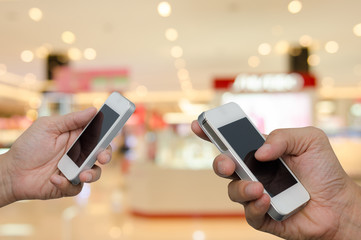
column 265, row 82
column 283, row 82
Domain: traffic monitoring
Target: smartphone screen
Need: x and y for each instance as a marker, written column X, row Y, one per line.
column 245, row 140
column 92, row 135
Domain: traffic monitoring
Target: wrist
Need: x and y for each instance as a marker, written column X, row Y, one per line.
column 350, row 217
column 6, row 193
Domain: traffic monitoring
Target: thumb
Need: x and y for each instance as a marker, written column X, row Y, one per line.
column 293, row 141
column 75, row 120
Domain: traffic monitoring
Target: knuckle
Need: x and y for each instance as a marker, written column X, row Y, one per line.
column 276, row 133
column 317, row 133
column 231, row 191
column 236, row 191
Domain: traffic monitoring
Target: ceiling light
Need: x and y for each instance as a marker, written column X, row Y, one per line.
column 35, row 14
column 27, row 56
column 176, row 52
column 164, row 9
column 74, row 54
column 171, row 34
column 305, row 40
column 294, row 7
column 331, row 47
column 42, row 52
column 357, row 30
column 264, row 49
column 253, row 61
column 68, row 37
column 282, row 47
column 90, row 54
column 313, row 60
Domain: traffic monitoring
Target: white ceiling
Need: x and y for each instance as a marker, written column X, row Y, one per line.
column 217, row 36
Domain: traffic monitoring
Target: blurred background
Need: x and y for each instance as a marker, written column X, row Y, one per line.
column 286, row 63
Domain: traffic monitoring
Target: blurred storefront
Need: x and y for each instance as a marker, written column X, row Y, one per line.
column 166, row 170
column 160, row 182
column 157, row 143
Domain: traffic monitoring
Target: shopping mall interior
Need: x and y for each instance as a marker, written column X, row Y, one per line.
column 288, row 64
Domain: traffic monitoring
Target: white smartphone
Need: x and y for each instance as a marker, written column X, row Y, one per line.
column 96, row 136
column 229, row 128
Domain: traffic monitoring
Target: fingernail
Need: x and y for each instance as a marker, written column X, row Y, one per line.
column 56, row 179
column 88, row 177
column 264, row 148
column 258, row 203
column 109, row 157
column 221, row 168
column 249, row 189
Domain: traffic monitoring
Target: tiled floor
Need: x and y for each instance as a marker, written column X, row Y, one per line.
column 100, row 213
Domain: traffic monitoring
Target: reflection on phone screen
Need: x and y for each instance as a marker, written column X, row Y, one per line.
column 92, row 135
column 245, row 140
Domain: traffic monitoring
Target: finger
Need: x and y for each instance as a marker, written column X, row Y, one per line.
column 287, row 141
column 90, row 175
column 244, row 191
column 75, row 120
column 198, row 130
column 223, row 166
column 64, row 186
column 105, row 156
column 256, row 211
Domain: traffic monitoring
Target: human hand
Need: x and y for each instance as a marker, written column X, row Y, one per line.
column 29, row 169
column 334, row 208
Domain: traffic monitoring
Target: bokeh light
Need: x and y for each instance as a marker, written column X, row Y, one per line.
column 27, row 56
column 68, row 37
column 295, row 7
column 35, row 14
column 164, row 9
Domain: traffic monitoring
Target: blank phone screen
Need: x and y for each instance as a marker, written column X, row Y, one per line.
column 92, row 135
column 245, row 140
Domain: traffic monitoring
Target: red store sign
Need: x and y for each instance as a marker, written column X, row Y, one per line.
column 270, row 82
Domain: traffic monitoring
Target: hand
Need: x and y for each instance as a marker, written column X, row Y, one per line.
column 29, row 169
column 334, row 209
